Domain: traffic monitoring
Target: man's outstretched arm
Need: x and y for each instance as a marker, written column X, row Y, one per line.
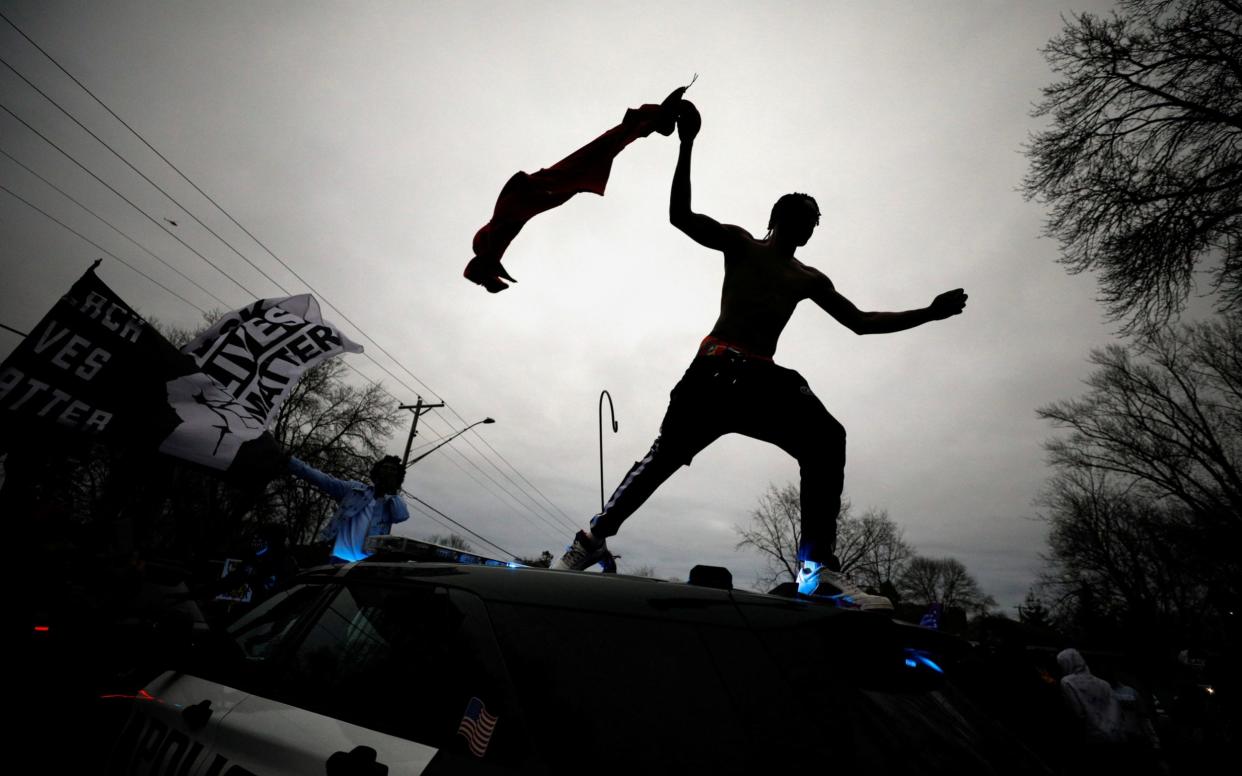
column 330, row 485
column 704, row 230
column 945, row 305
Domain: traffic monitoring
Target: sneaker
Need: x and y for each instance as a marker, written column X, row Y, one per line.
column 583, row 553
column 818, row 581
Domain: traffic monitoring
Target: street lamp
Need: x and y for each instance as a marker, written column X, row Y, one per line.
column 600, row 416
column 448, row 439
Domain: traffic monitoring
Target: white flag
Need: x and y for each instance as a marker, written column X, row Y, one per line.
column 256, row 355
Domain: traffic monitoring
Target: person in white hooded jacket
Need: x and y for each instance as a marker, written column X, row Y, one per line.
column 1091, row 699
column 1115, row 734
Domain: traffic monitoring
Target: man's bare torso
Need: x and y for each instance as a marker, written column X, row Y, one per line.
column 762, row 286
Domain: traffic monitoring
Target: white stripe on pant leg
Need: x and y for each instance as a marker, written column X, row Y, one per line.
column 629, row 478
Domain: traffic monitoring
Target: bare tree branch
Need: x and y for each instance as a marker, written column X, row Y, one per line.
column 870, row 548
column 1140, row 166
column 946, row 581
column 1145, row 502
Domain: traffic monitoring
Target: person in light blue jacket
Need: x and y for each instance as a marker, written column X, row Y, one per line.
column 365, row 510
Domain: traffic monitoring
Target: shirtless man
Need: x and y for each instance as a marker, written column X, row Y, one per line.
column 733, row 386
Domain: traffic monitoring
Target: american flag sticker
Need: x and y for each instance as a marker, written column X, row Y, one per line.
column 477, row 726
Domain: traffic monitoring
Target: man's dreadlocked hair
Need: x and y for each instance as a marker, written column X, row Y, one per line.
column 796, row 205
column 389, row 462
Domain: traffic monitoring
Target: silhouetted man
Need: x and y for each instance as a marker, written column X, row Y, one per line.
column 365, row 510
column 733, row 386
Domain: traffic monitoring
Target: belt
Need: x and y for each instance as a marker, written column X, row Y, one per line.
column 715, row 346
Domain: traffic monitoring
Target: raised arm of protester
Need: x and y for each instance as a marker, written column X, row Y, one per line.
column 364, row 510
column 330, row 485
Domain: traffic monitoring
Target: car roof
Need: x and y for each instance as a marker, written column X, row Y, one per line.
column 588, row 591
column 708, row 597
column 620, row 595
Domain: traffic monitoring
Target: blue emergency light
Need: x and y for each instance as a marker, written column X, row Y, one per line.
column 415, row 549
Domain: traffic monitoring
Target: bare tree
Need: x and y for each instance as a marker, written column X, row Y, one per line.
column 334, row 426
column 543, row 561
column 926, row 581
column 1142, row 166
column 1145, row 502
column 870, row 547
column 873, row 548
column 1119, row 559
column 1165, row 415
column 326, row 421
column 139, row 499
column 456, row 541
column 775, row 531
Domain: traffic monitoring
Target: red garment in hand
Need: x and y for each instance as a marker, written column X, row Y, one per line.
column 526, row 196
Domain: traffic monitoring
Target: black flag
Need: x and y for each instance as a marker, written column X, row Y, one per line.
column 94, row 366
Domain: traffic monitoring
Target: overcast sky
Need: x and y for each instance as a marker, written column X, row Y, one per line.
column 365, row 142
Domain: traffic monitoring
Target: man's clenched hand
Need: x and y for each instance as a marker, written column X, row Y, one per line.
column 948, row 304
column 688, row 121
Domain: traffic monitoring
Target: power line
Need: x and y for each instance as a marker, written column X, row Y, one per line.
column 565, row 525
column 140, row 174
column 283, row 264
column 449, row 527
column 129, row 202
column 429, row 443
column 518, row 501
column 67, row 227
column 452, row 460
column 459, row 525
column 528, row 482
column 431, row 516
column 56, row 220
column 186, row 178
column 253, row 237
column 467, row 460
column 493, row 491
column 384, row 390
column 106, row 223
column 258, row 242
column 213, row 265
column 127, row 264
column 388, row 393
column 122, row 261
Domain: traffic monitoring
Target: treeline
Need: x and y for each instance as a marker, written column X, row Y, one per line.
column 872, row 550
column 1141, row 168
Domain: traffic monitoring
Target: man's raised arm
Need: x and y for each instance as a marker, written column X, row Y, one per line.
column 945, row 305
column 704, row 230
column 330, row 485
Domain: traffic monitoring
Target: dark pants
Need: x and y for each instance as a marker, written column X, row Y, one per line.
column 728, row 394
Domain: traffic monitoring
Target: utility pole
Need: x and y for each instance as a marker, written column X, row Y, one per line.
column 418, row 408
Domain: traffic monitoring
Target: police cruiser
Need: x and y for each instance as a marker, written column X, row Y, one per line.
column 423, row 659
